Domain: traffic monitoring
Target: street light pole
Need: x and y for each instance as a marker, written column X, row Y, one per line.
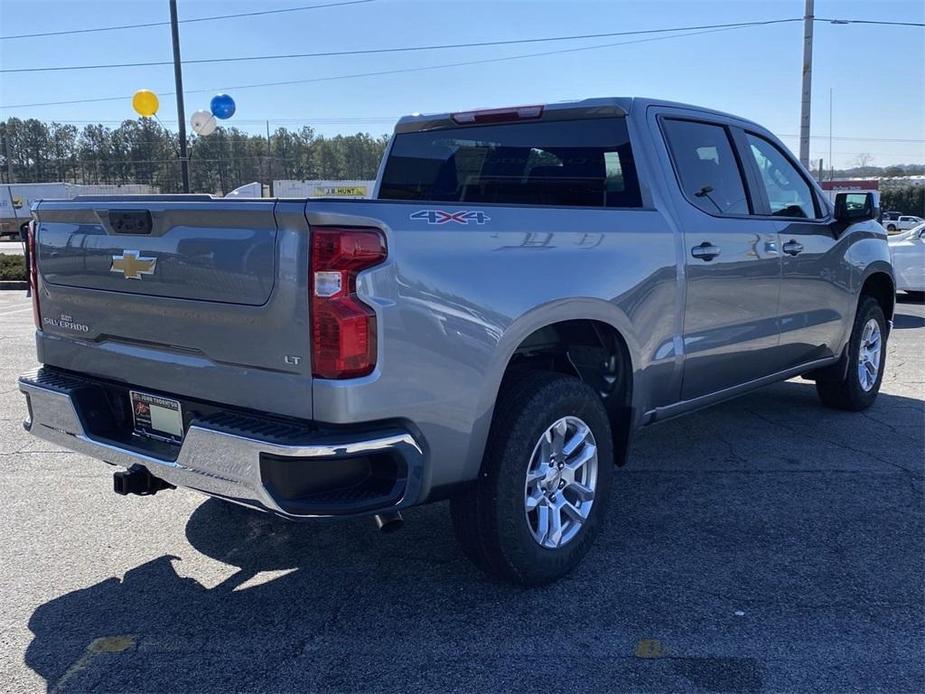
column 806, row 102
column 178, row 78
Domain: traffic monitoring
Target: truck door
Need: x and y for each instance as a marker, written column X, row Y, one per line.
column 732, row 263
column 816, row 292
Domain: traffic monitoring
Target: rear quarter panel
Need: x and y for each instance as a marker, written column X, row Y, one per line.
column 454, row 301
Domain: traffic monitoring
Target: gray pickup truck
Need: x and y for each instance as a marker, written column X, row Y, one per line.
column 527, row 288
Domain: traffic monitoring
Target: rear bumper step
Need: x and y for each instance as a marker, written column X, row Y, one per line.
column 303, row 474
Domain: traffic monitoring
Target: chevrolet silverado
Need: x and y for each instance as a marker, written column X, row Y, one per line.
column 527, row 287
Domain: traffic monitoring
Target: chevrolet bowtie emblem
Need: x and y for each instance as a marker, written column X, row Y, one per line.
column 132, row 265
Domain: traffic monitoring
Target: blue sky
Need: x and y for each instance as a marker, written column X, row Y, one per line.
column 877, row 74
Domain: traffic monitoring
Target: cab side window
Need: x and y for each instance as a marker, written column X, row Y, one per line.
column 789, row 195
column 707, row 167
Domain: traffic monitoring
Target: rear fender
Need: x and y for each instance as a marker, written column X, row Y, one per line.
column 517, row 332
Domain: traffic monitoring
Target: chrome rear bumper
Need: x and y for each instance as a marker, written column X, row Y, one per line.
column 217, row 459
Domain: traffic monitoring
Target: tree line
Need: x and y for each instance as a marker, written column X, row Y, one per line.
column 869, row 171
column 906, row 200
column 142, row 151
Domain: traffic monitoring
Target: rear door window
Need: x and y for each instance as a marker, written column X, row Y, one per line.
column 585, row 163
column 707, row 168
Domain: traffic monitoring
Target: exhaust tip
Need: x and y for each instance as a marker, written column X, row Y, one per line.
column 389, row 522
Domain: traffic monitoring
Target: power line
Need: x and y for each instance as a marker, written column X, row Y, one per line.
column 413, row 49
column 870, row 21
column 423, row 68
column 147, row 25
column 861, row 139
column 304, row 120
column 365, row 120
column 381, row 73
column 400, row 49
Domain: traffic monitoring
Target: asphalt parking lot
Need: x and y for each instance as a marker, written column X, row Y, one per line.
column 765, row 545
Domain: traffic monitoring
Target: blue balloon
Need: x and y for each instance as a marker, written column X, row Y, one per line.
column 222, row 106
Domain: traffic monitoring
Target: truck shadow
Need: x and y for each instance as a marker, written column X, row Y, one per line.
column 698, row 531
column 903, row 320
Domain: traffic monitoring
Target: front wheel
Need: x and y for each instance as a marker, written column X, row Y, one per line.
column 857, row 388
column 544, row 484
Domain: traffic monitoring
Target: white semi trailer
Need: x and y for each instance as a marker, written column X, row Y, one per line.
column 16, row 199
column 357, row 189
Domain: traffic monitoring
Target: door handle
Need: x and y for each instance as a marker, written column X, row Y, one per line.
column 793, row 248
column 705, row 251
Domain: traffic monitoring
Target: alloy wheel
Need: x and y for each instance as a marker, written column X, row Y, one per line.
column 561, row 481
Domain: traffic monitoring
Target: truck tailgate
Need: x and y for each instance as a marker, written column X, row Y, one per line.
column 179, row 295
column 225, row 255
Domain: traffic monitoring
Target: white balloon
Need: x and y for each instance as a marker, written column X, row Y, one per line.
column 203, row 123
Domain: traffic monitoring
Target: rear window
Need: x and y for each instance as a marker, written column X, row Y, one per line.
column 585, row 163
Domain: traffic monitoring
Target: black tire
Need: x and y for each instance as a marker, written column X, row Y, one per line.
column 890, row 227
column 845, row 391
column 490, row 519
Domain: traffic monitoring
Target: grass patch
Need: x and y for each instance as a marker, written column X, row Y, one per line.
column 12, row 267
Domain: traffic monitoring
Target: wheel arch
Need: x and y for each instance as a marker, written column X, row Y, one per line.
column 880, row 284
column 569, row 318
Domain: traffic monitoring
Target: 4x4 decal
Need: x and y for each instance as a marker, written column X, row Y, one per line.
column 444, row 217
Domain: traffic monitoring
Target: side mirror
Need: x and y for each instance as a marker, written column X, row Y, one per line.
column 856, row 207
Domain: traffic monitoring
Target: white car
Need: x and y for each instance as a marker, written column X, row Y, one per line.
column 907, row 250
column 905, row 221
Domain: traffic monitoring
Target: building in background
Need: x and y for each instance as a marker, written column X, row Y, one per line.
column 850, row 185
column 897, row 182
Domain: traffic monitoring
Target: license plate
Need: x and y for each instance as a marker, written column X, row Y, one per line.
column 158, row 417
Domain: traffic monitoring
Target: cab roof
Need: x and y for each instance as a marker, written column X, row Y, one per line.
column 601, row 107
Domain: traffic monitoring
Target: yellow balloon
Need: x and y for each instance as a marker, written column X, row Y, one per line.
column 145, row 103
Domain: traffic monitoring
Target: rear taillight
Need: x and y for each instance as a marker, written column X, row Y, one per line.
column 343, row 327
column 33, row 273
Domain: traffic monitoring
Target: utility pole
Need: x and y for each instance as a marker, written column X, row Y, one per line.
column 269, row 160
column 831, row 163
column 10, row 178
column 805, row 104
column 178, row 78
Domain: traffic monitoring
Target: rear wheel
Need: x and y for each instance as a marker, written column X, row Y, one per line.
column 545, row 481
column 858, row 387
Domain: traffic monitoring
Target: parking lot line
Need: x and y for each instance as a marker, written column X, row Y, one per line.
column 104, row 644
